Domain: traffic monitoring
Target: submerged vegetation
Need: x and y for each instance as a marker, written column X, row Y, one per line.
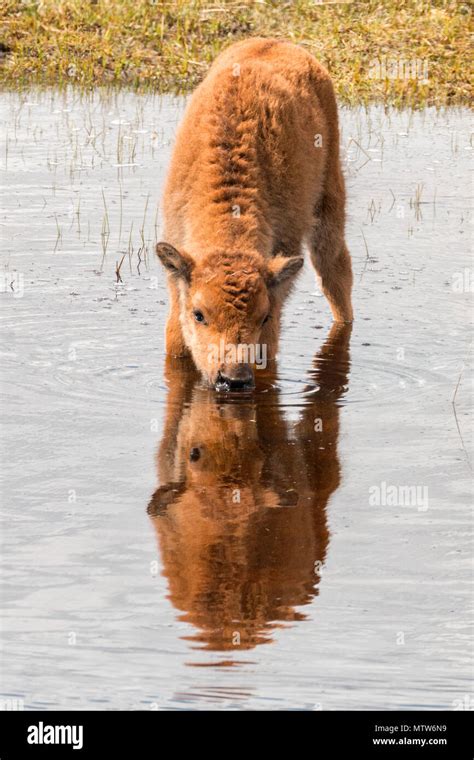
column 399, row 52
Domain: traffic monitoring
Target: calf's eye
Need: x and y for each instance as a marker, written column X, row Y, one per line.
column 266, row 319
column 198, row 315
column 194, row 454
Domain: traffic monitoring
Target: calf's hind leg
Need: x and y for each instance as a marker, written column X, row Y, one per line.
column 328, row 249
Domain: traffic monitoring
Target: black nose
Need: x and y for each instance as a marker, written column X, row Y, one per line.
column 236, row 378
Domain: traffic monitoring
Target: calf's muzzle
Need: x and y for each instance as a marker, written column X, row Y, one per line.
column 235, row 377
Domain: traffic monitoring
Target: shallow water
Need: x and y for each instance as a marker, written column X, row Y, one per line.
column 315, row 552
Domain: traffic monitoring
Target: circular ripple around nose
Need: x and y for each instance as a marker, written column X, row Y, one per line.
column 368, row 382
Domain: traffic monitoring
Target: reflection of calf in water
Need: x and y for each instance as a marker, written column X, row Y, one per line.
column 241, row 515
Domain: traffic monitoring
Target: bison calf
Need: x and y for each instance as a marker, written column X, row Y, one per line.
column 255, row 175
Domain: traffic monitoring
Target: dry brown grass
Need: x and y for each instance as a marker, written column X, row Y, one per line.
column 148, row 44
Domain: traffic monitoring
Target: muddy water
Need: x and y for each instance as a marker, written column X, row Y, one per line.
column 164, row 547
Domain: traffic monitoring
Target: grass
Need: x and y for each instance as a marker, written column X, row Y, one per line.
column 168, row 46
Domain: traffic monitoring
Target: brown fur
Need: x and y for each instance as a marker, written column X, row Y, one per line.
column 241, row 565
column 247, row 187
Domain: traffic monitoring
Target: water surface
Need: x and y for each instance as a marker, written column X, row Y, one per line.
column 166, row 547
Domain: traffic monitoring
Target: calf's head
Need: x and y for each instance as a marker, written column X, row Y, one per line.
column 229, row 309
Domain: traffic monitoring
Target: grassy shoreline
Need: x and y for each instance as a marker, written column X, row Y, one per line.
column 408, row 53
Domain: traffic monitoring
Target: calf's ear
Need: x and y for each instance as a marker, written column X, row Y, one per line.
column 164, row 497
column 282, row 269
column 178, row 263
